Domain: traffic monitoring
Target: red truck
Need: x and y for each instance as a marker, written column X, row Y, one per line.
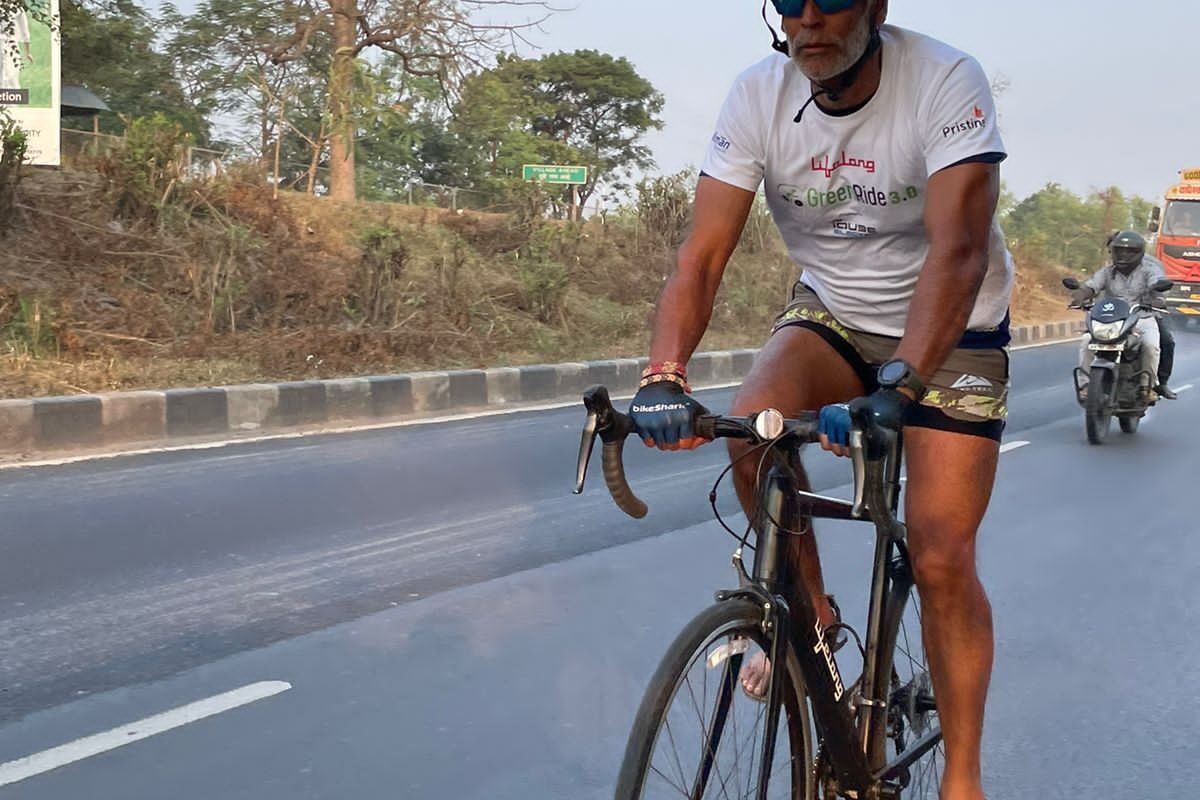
column 1177, row 245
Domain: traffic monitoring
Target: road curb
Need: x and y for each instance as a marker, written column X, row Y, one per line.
column 135, row 420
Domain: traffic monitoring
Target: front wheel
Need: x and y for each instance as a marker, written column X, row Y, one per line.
column 696, row 733
column 1098, row 412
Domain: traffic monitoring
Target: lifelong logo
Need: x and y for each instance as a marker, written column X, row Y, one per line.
column 828, row 166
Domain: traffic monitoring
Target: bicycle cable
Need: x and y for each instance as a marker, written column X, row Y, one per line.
column 757, row 479
column 744, row 538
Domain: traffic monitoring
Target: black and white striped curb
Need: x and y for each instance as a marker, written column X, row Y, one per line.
column 126, row 420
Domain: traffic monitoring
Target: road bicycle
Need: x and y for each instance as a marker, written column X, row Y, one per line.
column 697, row 734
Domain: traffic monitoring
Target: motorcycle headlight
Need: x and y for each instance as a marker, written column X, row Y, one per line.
column 1107, row 331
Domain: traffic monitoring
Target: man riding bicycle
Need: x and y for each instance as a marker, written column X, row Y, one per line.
column 878, row 151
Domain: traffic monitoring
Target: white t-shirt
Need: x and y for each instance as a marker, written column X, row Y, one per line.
column 848, row 192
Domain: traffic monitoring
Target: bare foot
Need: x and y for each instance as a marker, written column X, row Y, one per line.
column 756, row 672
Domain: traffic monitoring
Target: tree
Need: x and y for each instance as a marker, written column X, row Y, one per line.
column 593, row 103
column 224, row 52
column 493, row 124
column 108, row 46
column 441, row 39
column 1006, row 202
column 403, row 119
column 1061, row 227
column 583, row 108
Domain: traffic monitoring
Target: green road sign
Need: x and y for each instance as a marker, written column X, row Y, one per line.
column 553, row 174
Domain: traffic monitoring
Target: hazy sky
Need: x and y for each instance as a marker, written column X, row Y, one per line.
column 1101, row 91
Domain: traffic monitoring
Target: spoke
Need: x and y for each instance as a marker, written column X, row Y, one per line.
column 750, row 773
column 704, row 732
column 671, row 776
column 675, row 751
column 699, row 713
column 674, row 785
column 926, row 773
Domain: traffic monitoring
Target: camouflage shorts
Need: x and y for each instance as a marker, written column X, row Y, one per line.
column 970, row 387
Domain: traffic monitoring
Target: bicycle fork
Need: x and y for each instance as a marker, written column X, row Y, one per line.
column 801, row 623
column 761, row 590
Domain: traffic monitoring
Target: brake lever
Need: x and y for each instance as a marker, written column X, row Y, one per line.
column 612, row 428
column 858, row 459
column 590, row 429
column 600, row 421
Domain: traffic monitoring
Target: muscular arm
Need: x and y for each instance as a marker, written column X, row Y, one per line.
column 959, row 211
column 686, row 304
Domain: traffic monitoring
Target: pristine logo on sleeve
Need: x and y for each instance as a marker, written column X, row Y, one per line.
column 721, row 142
column 977, row 120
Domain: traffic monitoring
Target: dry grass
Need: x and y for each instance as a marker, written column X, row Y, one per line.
column 222, row 283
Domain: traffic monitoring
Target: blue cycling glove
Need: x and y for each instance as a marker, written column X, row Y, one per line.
column 663, row 413
column 885, row 408
column 834, row 422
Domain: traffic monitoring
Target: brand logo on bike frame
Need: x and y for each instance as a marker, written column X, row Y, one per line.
column 822, row 647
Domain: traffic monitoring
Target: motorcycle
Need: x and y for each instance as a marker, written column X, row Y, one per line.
column 1116, row 385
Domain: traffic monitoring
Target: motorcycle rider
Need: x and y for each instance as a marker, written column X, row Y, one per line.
column 1166, row 337
column 1129, row 277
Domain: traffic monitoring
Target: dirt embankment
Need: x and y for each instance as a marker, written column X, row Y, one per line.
column 117, row 279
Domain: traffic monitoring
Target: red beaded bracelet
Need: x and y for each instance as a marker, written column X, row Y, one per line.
column 664, row 377
column 665, row 367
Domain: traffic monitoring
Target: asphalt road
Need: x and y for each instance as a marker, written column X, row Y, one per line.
column 427, row 611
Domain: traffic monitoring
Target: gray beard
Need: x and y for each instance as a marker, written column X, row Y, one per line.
column 856, row 45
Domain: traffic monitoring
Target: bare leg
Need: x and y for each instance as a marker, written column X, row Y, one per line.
column 796, row 371
column 949, row 488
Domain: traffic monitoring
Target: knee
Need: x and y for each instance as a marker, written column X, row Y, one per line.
column 943, row 557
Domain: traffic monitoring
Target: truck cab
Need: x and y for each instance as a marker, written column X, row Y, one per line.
column 1176, row 226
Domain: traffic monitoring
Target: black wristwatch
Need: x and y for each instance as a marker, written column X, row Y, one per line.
column 899, row 374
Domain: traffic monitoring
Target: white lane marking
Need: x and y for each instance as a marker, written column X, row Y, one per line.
column 1185, row 387
column 214, row 445
column 89, row 746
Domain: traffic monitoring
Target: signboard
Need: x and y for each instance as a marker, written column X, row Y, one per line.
column 555, row 174
column 30, row 77
column 1191, row 174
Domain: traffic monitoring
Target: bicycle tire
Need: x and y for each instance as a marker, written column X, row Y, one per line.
column 734, row 615
column 896, row 640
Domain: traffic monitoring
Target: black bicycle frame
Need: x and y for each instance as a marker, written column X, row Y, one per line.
column 853, row 728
